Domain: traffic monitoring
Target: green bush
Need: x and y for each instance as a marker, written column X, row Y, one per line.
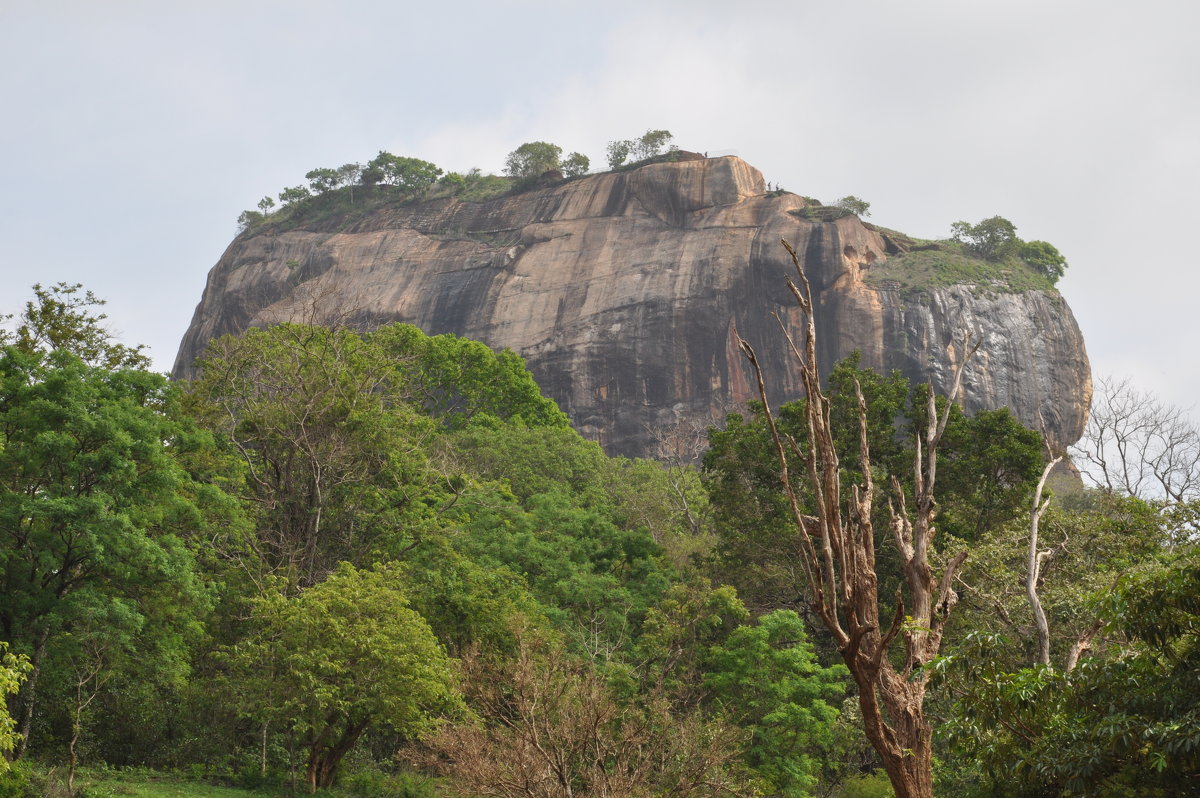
column 377, row 784
column 874, row 785
column 17, row 782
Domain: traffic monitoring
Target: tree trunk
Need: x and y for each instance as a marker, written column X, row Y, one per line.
column 72, row 759
column 27, row 695
column 837, row 552
column 323, row 760
column 1033, row 568
column 262, row 761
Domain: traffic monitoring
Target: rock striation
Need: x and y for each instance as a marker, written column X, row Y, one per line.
column 623, row 291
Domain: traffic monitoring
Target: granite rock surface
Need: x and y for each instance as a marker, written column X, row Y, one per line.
column 623, row 292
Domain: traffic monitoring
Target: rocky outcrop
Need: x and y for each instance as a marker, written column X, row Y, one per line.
column 623, row 291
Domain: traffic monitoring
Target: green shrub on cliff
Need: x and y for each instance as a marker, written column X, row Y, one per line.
column 996, row 239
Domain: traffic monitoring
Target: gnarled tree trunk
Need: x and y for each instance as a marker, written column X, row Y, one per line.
column 838, row 556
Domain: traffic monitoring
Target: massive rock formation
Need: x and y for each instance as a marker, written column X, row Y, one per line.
column 623, row 291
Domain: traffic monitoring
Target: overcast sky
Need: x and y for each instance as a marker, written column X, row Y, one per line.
column 134, row 133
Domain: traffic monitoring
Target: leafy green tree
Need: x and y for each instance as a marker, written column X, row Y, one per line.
column 265, row 205
column 755, row 548
column 690, row 619
column 1088, row 542
column 531, row 460
column 61, row 318
column 1124, row 722
column 323, row 180
column 618, row 153
column 105, row 637
column 647, row 146
column 453, row 180
column 596, row 580
column 248, row 219
column 532, row 159
column 407, row 174
column 767, row 678
column 989, row 466
column 93, row 504
column 13, row 668
column 347, row 655
column 855, row 205
column 650, row 144
column 1045, row 258
column 455, row 379
column 994, row 238
column 575, row 165
column 294, row 194
column 330, row 445
column 467, row 604
column 349, row 173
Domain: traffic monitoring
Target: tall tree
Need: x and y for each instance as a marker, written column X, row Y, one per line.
column 839, row 562
column 407, row 174
column 767, row 678
column 331, row 445
column 93, row 504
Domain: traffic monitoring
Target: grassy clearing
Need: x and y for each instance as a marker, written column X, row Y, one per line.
column 944, row 263
column 138, row 784
column 32, row 780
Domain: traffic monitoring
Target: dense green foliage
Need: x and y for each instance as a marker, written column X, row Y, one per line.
column 13, row 669
column 996, row 239
column 769, row 681
column 1112, row 726
column 534, row 158
column 332, row 547
column 632, row 151
column 95, row 509
column 859, row 207
column 339, row 658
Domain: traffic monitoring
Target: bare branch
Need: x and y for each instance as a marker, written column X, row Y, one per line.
column 1034, row 565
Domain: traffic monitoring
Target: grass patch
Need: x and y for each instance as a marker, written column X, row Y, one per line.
column 101, row 781
column 932, row 265
column 814, row 211
column 114, row 785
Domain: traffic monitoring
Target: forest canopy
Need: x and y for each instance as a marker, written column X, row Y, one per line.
column 385, row 559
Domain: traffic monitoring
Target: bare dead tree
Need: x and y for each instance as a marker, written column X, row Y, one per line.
column 1138, row 445
column 679, row 447
column 1034, row 564
column 1033, row 572
column 91, row 669
column 551, row 727
column 837, row 551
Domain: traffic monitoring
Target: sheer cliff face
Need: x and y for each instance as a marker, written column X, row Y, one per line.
column 623, row 290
